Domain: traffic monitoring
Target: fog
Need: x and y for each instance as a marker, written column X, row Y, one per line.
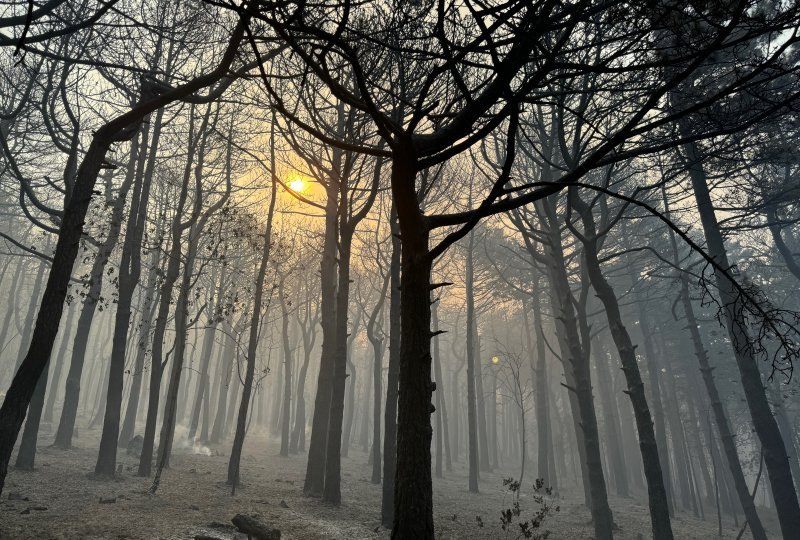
column 399, row 269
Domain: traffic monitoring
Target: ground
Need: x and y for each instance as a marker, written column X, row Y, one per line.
column 65, row 501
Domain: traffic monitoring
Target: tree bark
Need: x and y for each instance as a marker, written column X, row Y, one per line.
column 413, row 504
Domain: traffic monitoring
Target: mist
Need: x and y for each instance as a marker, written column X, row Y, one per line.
column 399, row 269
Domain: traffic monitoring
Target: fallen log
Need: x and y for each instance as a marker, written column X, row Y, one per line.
column 254, row 529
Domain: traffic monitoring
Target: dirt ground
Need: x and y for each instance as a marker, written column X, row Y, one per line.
column 64, row 501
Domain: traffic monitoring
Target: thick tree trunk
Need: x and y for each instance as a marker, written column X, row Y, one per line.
column 413, row 504
column 775, row 456
column 15, row 404
column 317, row 446
column 332, row 488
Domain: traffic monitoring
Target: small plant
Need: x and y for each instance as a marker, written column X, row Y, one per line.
column 532, row 527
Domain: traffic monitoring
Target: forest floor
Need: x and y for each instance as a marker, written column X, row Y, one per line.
column 65, row 500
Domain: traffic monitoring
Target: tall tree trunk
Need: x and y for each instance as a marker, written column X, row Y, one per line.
column 392, row 377
column 196, row 224
column 287, row 373
column 541, row 395
column 226, row 379
column 148, row 312
column 317, row 447
column 579, row 383
column 775, row 456
column 350, row 410
column 11, row 304
column 413, row 504
column 120, row 129
column 298, row 433
column 717, row 407
column 656, row 490
column 26, row 455
column 157, row 361
column 129, row 272
column 442, row 431
column 27, row 327
column 59, row 365
column 255, row 319
column 206, row 352
column 332, row 488
column 471, row 347
column 616, row 450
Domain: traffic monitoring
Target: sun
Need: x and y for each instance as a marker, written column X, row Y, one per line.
column 297, row 185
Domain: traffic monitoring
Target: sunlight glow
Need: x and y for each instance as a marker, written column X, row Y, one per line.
column 495, row 360
column 297, row 185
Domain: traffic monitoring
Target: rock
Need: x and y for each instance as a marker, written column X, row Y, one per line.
column 134, row 447
column 15, row 496
column 39, row 508
column 284, row 505
column 206, row 537
column 26, row 511
column 255, row 528
column 194, row 507
column 109, row 500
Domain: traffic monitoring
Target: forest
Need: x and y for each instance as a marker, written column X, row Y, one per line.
column 408, row 269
